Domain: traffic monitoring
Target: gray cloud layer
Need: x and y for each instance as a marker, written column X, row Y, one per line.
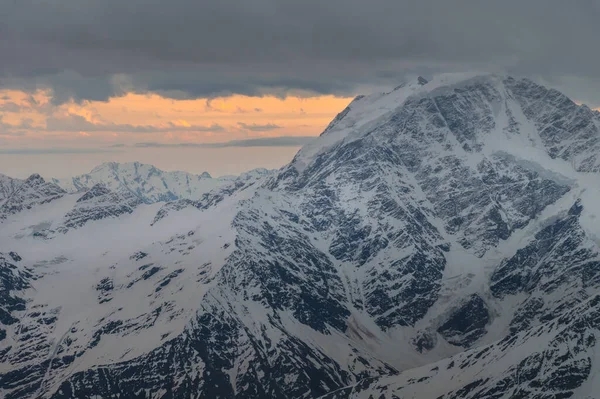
column 282, row 141
column 92, row 49
column 253, row 127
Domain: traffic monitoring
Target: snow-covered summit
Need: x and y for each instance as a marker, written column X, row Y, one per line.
column 515, row 109
column 31, row 192
column 357, row 116
column 147, row 182
column 8, row 186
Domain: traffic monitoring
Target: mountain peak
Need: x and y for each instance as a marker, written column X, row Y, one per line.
column 35, row 179
column 25, row 195
column 8, row 186
column 145, row 181
column 105, row 166
column 479, row 110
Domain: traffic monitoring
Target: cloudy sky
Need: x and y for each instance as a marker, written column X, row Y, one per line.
column 215, row 84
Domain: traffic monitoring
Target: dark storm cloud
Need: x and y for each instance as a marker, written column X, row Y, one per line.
column 92, row 49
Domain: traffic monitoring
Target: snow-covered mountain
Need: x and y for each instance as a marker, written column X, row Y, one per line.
column 436, row 241
column 99, row 203
column 28, row 194
column 147, row 182
column 8, row 186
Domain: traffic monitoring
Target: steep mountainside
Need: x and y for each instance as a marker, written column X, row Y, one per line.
column 99, row 203
column 8, row 186
column 30, row 193
column 147, row 182
column 436, row 241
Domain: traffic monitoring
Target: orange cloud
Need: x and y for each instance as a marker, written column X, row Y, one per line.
column 166, row 120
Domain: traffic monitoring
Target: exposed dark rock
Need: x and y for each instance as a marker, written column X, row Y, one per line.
column 467, row 324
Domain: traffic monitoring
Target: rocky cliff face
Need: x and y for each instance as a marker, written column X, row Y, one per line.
column 28, row 194
column 99, row 203
column 437, row 241
column 8, row 186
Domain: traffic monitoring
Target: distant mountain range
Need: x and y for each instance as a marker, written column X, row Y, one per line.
column 436, row 241
column 147, row 182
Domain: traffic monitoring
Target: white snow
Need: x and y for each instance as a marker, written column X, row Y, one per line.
column 71, row 265
column 146, row 181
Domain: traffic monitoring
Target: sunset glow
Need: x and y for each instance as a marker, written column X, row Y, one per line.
column 30, row 119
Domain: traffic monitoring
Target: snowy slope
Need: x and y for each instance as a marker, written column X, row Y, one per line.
column 147, row 182
column 99, row 203
column 8, row 186
column 30, row 193
column 438, row 240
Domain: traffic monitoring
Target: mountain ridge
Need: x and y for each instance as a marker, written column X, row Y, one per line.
column 436, row 241
column 147, row 182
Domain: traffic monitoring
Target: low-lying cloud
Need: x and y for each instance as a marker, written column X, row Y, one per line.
column 253, row 127
column 282, row 141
